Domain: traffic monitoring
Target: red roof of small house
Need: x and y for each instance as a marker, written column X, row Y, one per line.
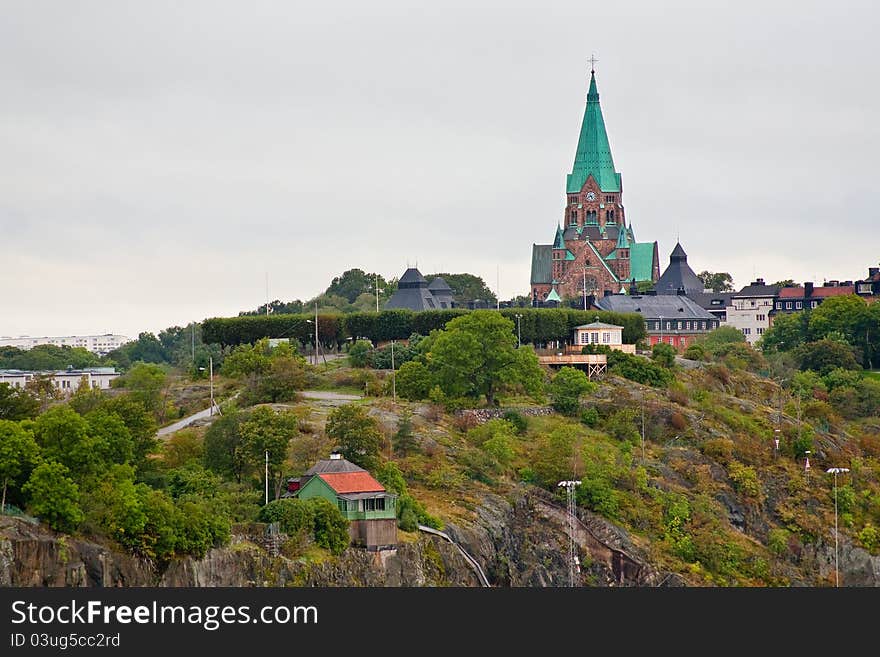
column 818, row 292
column 352, row 482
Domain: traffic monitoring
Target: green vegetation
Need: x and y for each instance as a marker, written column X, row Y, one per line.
column 356, row 434
column 566, row 389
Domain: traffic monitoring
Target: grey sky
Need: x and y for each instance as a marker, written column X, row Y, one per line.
column 157, row 159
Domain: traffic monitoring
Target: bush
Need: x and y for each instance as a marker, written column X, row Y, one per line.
column 745, row 480
column 777, row 541
column 517, row 420
column 590, row 416
column 358, row 353
column 330, row 526
column 678, row 393
column 696, row 351
column 826, row 355
column 720, row 449
column 678, row 421
column 54, row 496
column 663, row 354
column 295, row 517
column 869, row 537
column 566, row 389
column 414, row 381
column 638, row 369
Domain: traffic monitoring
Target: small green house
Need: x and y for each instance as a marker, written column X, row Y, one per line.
column 369, row 508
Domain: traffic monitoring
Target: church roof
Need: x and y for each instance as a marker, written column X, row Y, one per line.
column 678, row 275
column 553, row 296
column 542, row 261
column 622, row 239
column 559, row 240
column 641, row 260
column 593, row 155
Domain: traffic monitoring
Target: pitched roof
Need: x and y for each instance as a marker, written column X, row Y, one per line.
column 593, row 155
column 553, row 296
column 412, row 298
column 641, row 260
column 352, row 482
column 542, row 261
column 598, row 325
column 559, row 240
column 622, row 239
column 653, row 307
column 333, row 465
column 678, row 275
column 758, row 289
column 412, row 277
column 711, row 300
column 439, row 285
column 818, row 292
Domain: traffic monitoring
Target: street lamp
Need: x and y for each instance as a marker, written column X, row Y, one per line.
column 661, row 328
column 315, row 322
column 835, row 472
column 518, row 332
column 211, row 377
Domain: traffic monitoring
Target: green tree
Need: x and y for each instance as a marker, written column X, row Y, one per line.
column 825, row 355
column 17, row 403
column 638, row 369
column 146, row 349
column 295, row 517
column 54, row 497
column 113, row 506
column 331, row 527
column 246, row 360
column 267, row 433
column 788, row 331
column 358, row 353
column 146, row 385
column 554, row 456
column 47, row 357
column 806, row 384
column 63, row 435
column 566, row 390
column 356, row 434
column 224, row 448
column 717, row 282
column 664, row 354
column 720, row 337
column 476, row 355
column 414, row 381
column 183, row 447
column 140, row 422
column 466, row 288
column 354, row 283
column 18, row 454
column 403, row 440
column 110, row 433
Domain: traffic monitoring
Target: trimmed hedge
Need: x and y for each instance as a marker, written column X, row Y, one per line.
column 537, row 325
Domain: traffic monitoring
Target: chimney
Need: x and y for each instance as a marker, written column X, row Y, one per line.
column 759, row 281
column 832, row 283
column 680, row 291
column 808, row 289
column 846, row 284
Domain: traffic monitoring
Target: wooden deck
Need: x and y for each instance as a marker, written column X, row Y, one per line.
column 592, row 364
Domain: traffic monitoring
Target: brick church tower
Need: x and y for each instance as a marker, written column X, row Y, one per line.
column 594, row 251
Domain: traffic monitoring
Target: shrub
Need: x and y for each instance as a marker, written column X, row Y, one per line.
column 663, row 354
column 869, row 537
column 696, row 351
column 745, row 480
column 54, row 496
column 414, row 381
column 517, row 420
column 777, row 541
column 718, row 448
column 678, row 421
column 330, row 526
column 566, row 389
column 358, row 353
column 678, row 393
column 622, row 425
column 590, row 416
column 638, row 369
column 295, row 517
column 826, row 355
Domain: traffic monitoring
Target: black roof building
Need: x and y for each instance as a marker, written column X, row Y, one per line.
column 442, row 292
column 414, row 293
column 679, row 276
column 713, row 302
column 653, row 307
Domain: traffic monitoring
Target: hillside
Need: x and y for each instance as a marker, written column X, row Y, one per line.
column 705, row 500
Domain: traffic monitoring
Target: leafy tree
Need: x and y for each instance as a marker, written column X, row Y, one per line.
column 183, row 447
column 224, row 448
column 331, row 527
column 403, row 440
column 358, row 353
column 17, row 403
column 356, row 434
column 295, row 517
column 108, row 430
column 42, row 387
column 825, row 355
column 740, row 355
column 664, row 354
column 287, row 375
column 414, row 381
column 146, row 385
column 54, row 497
column 466, row 287
column 717, row 282
column 788, row 282
column 723, row 335
column 696, row 351
column 355, row 282
column 63, row 435
column 114, row 506
column 146, row 349
column 262, row 432
column 806, row 384
column 247, row 359
column 476, row 355
column 566, row 389
column 193, row 481
column 554, row 456
column 18, row 454
column 788, row 331
column 47, row 357
column 140, row 423
column 842, row 378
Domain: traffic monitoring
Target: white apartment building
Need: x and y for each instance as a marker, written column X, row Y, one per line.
column 749, row 309
column 98, row 344
column 66, row 381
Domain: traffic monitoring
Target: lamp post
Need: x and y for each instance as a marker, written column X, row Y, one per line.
column 518, row 332
column 377, row 292
column 835, row 472
column 211, row 377
column 661, row 328
column 315, row 322
column 393, row 375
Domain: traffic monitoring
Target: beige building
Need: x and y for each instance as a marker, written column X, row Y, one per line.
column 598, row 333
column 97, row 344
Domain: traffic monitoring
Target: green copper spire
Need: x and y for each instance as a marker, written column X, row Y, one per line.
column 559, row 242
column 622, row 238
column 593, row 154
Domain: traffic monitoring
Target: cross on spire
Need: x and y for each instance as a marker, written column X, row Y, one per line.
column 593, row 61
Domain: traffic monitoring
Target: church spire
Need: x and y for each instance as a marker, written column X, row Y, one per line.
column 593, row 155
column 559, row 240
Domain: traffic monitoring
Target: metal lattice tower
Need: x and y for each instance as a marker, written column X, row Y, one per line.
column 574, row 566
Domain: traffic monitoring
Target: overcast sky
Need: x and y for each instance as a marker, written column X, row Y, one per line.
column 158, row 159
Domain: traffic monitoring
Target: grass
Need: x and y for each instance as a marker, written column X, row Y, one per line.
column 873, row 374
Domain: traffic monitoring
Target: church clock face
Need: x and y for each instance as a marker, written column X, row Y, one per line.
column 591, row 196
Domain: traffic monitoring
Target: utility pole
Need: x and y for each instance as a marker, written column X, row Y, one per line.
column 497, row 287
column 574, row 566
column 267, row 294
column 316, row 334
column 835, row 472
column 585, row 288
column 193, row 342
column 518, row 331
column 643, row 429
column 377, row 292
column 211, row 377
column 267, row 476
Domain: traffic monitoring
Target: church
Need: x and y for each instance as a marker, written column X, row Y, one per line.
column 594, row 251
